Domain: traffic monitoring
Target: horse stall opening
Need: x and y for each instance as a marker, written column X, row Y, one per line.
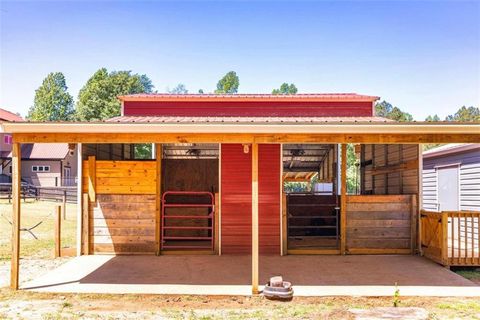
column 311, row 197
column 189, row 184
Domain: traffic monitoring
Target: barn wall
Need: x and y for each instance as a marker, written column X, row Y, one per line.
column 236, row 199
column 469, row 180
column 389, row 169
column 122, row 218
column 261, row 108
column 269, row 166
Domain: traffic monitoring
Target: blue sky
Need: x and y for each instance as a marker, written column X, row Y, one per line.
column 421, row 56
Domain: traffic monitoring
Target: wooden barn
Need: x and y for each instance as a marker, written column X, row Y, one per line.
column 208, row 174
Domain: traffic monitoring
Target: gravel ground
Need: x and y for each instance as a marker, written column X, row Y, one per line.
column 29, row 269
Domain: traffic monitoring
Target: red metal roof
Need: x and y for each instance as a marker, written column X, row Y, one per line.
column 6, row 115
column 249, row 97
column 37, row 151
column 283, row 120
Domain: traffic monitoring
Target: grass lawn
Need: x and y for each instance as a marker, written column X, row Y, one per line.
column 32, row 213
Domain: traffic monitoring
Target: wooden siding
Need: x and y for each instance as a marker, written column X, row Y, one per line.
column 238, row 109
column 389, row 169
column 122, row 177
column 380, row 224
column 269, row 198
column 236, row 199
column 123, row 214
column 123, row 224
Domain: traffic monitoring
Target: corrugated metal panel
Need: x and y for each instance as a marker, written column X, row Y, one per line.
column 252, row 108
column 269, row 198
column 470, row 187
column 236, row 193
column 235, row 120
column 429, row 183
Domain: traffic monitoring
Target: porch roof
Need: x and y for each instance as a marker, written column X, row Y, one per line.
column 246, row 125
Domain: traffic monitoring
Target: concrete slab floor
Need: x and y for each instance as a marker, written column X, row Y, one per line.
column 231, row 275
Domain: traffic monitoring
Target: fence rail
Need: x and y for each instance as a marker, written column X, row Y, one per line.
column 451, row 238
column 67, row 194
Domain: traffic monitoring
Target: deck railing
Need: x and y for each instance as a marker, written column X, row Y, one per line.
column 451, row 238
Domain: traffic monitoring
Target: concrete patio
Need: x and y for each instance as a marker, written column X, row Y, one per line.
column 230, row 275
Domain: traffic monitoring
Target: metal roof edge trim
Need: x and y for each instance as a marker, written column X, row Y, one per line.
column 326, row 128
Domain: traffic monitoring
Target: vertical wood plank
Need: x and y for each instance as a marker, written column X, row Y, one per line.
column 158, row 202
column 255, row 218
column 413, row 222
column 284, row 225
column 343, row 200
column 80, row 221
column 445, row 238
column 58, row 231
column 16, row 184
column 216, row 222
column 92, row 180
column 86, row 224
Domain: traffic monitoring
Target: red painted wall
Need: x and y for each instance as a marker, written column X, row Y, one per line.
column 236, row 202
column 246, row 109
column 236, row 190
column 269, row 198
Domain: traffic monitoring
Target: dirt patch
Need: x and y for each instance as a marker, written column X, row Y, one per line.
column 23, row 304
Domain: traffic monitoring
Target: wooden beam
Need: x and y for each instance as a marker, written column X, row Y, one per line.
column 92, row 180
column 254, row 218
column 58, row 231
column 305, row 138
column 343, row 200
column 158, row 202
column 86, row 224
column 16, row 184
column 80, row 221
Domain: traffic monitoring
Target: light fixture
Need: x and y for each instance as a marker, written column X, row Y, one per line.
column 246, row 148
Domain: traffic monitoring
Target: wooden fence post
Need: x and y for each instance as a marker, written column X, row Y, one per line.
column 58, row 228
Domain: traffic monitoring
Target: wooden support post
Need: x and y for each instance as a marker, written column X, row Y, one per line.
column 86, row 224
column 444, row 233
column 216, row 223
column 284, row 225
column 58, row 231
column 16, row 177
column 343, row 200
column 79, row 212
column 92, row 179
column 158, row 203
column 255, row 218
column 413, row 222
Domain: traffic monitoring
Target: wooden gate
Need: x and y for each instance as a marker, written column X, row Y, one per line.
column 433, row 236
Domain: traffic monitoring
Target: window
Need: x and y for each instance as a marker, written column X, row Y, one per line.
column 7, row 139
column 40, row 168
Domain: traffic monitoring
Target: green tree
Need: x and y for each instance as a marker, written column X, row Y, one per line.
column 179, row 89
column 353, row 173
column 286, row 88
column 228, row 84
column 52, row 100
column 98, row 99
column 386, row 110
column 465, row 114
column 433, row 118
